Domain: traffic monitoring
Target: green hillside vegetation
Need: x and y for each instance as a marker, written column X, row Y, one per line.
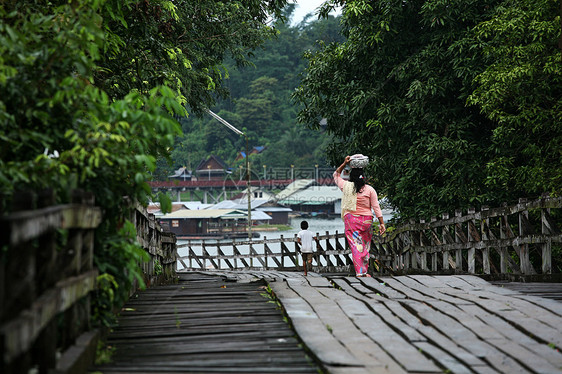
column 260, row 105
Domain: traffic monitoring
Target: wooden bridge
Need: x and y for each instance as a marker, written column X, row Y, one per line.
column 427, row 308
column 217, row 322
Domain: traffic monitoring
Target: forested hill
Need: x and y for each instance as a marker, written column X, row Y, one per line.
column 260, row 104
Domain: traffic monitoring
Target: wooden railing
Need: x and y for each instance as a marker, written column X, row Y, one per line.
column 331, row 254
column 500, row 240
column 160, row 246
column 47, row 273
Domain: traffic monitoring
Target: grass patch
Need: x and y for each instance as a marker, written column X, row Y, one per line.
column 267, row 227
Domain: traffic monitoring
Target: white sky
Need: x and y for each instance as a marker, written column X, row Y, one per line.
column 303, row 8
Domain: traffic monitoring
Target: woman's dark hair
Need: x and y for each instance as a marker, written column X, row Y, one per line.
column 356, row 176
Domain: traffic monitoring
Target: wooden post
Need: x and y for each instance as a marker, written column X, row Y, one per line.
column 234, row 259
column 471, row 250
column 407, row 238
column 445, row 230
column 218, row 254
column 458, row 252
column 189, row 254
column 203, row 251
column 423, row 254
column 297, row 252
column 524, row 260
column 503, row 250
column 435, row 243
column 282, row 254
column 485, row 236
column 414, row 237
column 546, row 247
column 265, row 256
column 326, row 258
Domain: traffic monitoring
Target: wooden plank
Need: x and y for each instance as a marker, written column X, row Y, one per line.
column 508, row 310
column 353, row 313
column 459, row 333
column 521, row 313
column 18, row 334
column 515, row 335
column 393, row 321
column 443, row 357
column 374, row 301
column 350, row 289
column 318, row 281
column 400, row 288
column 27, row 225
column 379, row 286
column 205, row 324
column 311, row 329
column 412, row 283
column 346, row 331
column 443, row 341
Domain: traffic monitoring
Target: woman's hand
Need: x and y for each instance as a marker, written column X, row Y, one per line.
column 382, row 228
column 342, row 166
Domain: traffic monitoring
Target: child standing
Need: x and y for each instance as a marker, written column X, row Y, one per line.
column 305, row 238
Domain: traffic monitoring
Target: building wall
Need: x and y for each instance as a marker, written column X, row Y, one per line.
column 185, row 226
column 279, row 218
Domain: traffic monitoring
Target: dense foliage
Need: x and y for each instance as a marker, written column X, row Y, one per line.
column 456, row 102
column 260, row 104
column 91, row 93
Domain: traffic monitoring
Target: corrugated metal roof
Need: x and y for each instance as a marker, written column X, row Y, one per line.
column 216, row 213
column 206, row 213
column 260, row 216
column 274, row 209
column 239, row 204
column 292, row 188
column 195, row 205
column 314, row 195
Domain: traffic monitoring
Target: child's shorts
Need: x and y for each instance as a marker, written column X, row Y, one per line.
column 307, row 257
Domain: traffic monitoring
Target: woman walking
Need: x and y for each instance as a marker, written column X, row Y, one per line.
column 358, row 203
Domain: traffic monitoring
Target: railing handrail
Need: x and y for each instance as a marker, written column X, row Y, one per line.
column 282, row 239
column 52, row 281
column 40, row 278
column 410, row 243
column 470, row 231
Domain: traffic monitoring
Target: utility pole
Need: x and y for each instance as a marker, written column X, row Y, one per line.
column 234, row 129
column 249, row 191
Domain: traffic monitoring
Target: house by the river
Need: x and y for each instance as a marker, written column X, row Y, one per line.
column 210, row 223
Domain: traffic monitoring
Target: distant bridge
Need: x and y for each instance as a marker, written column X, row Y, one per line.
column 217, row 190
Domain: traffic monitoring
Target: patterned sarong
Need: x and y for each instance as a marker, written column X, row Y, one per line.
column 359, row 232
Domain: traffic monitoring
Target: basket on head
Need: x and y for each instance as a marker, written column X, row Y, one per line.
column 358, row 161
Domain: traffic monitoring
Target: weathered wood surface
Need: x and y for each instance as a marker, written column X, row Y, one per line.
column 46, row 275
column 420, row 323
column 158, row 244
column 490, row 241
column 205, row 324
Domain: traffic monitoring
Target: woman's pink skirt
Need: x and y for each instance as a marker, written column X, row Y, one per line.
column 359, row 232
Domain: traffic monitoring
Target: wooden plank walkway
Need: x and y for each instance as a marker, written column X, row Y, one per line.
column 420, row 324
column 403, row 324
column 205, row 324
